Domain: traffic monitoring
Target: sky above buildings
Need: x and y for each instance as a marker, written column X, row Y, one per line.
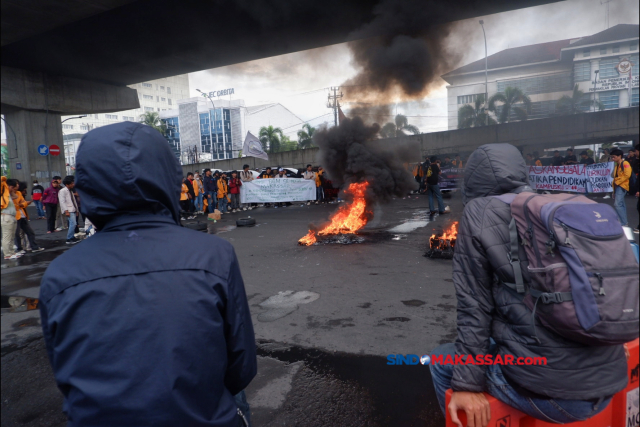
column 300, row 80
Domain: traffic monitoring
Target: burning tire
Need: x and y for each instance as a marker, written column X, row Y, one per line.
column 245, row 222
column 443, row 245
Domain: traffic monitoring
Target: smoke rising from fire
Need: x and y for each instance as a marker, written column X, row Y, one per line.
column 352, row 153
column 407, row 61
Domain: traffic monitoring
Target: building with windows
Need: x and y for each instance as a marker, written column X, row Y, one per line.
column 155, row 95
column 547, row 71
column 216, row 131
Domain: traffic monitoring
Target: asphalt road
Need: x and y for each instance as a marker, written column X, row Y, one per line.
column 325, row 319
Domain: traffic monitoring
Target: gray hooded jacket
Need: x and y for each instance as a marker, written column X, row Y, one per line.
column 487, row 309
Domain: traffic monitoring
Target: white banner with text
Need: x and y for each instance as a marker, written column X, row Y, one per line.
column 595, row 178
column 274, row 190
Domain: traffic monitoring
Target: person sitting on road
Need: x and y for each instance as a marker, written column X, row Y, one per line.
column 138, row 330
column 577, row 381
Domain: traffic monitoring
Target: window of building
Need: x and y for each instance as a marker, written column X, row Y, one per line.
column 168, row 89
column 84, row 127
column 67, row 126
column 150, row 97
column 163, row 99
column 633, row 46
column 586, row 53
column 615, row 48
column 97, row 117
column 158, row 109
column 634, row 97
column 581, row 71
column 147, row 85
column 161, row 87
column 610, row 99
column 157, row 99
column 603, row 50
column 111, row 116
column 468, row 99
column 608, row 68
column 539, row 84
column 169, row 101
column 148, row 108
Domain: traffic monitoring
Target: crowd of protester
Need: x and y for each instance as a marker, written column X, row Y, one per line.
column 221, row 190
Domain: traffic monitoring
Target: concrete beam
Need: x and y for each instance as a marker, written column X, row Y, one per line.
column 297, row 159
column 36, row 91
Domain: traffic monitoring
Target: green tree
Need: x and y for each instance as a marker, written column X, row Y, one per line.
column 578, row 102
column 475, row 116
column 270, row 138
column 287, row 144
column 151, row 118
column 305, row 136
column 399, row 128
column 512, row 100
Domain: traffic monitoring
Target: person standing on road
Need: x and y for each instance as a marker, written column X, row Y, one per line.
column 199, row 190
column 191, row 194
column 494, row 320
column 246, row 176
column 570, row 158
column 22, row 221
column 184, row 200
column 605, row 158
column 621, row 177
column 585, row 159
column 223, row 191
column 234, row 189
column 9, row 223
column 59, row 224
column 36, row 196
column 210, row 190
column 433, row 188
column 50, row 201
column 319, row 188
column 69, row 207
column 309, row 174
column 196, row 351
column 632, row 158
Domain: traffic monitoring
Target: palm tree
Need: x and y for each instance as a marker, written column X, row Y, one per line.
column 475, row 116
column 286, row 144
column 151, row 118
column 305, row 136
column 399, row 128
column 270, row 138
column 576, row 103
column 509, row 99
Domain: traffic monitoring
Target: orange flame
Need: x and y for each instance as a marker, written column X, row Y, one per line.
column 450, row 234
column 347, row 220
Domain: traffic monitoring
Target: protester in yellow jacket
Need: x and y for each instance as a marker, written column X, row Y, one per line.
column 223, row 191
column 184, row 192
column 621, row 176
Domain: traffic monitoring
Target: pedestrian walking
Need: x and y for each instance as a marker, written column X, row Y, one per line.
column 234, row 189
column 9, row 222
column 433, row 187
column 223, row 191
column 621, row 178
column 138, row 330
column 36, row 196
column 69, row 207
column 22, row 222
column 50, row 201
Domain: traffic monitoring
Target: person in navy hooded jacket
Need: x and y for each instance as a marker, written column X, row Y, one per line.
column 140, row 332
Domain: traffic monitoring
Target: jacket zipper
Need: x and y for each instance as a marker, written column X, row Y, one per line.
column 566, row 228
column 600, row 276
column 552, row 216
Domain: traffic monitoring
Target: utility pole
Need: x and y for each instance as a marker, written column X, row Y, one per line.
column 486, row 79
column 334, row 98
column 606, row 3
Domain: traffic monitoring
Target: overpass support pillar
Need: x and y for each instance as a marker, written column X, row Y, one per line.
column 26, row 130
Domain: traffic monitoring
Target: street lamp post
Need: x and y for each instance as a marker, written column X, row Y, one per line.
column 206, row 95
column 486, row 88
column 594, row 91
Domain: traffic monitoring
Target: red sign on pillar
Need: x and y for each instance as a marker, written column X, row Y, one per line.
column 54, row 150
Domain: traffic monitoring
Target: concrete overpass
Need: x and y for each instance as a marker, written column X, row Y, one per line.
column 578, row 129
column 64, row 57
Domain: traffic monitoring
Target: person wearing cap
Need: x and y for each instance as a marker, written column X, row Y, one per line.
column 585, row 159
column 621, row 177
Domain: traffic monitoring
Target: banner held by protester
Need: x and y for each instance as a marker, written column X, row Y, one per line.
column 278, row 190
column 595, row 178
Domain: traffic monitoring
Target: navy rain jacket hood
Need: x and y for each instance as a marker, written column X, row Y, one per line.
column 139, row 331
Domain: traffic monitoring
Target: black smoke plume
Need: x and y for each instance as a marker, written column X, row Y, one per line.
column 352, row 153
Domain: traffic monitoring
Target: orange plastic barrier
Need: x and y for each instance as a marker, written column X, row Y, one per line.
column 621, row 412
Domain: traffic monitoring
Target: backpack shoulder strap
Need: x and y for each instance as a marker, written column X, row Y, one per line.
column 514, row 256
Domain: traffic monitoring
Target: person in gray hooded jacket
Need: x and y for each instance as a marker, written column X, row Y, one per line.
column 576, row 382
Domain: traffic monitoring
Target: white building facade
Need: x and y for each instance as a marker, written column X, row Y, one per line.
column 547, row 71
column 216, row 130
column 155, row 95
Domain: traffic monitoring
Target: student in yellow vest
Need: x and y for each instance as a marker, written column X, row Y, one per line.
column 621, row 177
